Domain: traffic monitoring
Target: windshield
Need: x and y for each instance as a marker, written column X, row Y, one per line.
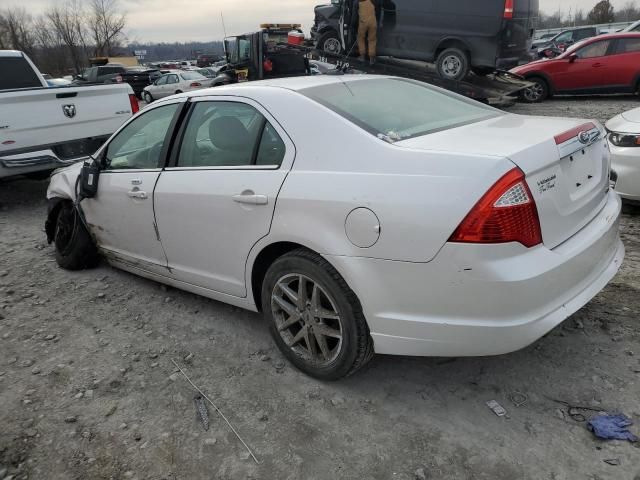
column 404, row 110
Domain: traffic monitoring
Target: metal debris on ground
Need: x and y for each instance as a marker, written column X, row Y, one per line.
column 496, row 408
column 574, row 410
column 612, row 427
column 203, row 413
column 519, row 399
column 235, row 432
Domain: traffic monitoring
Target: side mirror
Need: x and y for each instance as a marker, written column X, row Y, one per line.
column 89, row 180
column 573, row 57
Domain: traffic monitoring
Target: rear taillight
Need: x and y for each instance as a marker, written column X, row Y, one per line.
column 506, row 213
column 135, row 107
column 508, row 8
column 196, row 84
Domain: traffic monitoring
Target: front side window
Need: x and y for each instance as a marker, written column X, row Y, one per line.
column 139, row 144
column 229, row 134
column 162, row 80
column 593, row 50
column 396, row 109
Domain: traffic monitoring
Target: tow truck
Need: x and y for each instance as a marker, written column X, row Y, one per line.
column 259, row 56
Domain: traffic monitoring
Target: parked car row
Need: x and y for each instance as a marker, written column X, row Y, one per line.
column 43, row 128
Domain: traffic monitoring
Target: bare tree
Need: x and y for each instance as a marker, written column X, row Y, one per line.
column 106, row 24
column 15, row 30
column 68, row 24
column 628, row 13
column 602, row 13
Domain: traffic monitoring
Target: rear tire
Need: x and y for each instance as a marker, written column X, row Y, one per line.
column 178, row 91
column 536, row 93
column 316, row 322
column 75, row 249
column 330, row 42
column 453, row 64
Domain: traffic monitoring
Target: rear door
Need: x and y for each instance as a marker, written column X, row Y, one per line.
column 218, row 197
column 623, row 65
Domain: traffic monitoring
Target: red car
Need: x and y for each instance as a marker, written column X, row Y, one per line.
column 604, row 64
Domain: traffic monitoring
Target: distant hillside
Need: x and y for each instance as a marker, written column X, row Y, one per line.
column 176, row 51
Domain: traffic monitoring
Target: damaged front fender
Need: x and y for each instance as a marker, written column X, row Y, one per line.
column 62, row 187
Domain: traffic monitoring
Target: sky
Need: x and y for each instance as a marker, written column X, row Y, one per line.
column 200, row 20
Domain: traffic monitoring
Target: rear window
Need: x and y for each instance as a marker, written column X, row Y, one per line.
column 192, row 76
column 15, row 72
column 395, row 109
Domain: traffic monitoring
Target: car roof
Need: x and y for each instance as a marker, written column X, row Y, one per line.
column 290, row 83
column 10, row 53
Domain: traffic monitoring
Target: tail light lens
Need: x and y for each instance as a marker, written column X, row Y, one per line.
column 196, row 84
column 508, row 9
column 135, row 107
column 506, row 213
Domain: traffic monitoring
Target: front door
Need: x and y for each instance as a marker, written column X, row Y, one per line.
column 586, row 73
column 217, row 198
column 121, row 215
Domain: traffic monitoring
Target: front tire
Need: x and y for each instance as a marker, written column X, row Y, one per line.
column 330, row 42
column 75, row 249
column 538, row 92
column 314, row 317
column 453, row 64
column 147, row 97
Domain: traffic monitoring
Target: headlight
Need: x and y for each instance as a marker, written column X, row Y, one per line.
column 624, row 139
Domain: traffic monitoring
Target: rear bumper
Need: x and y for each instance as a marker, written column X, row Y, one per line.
column 24, row 163
column 626, row 163
column 475, row 300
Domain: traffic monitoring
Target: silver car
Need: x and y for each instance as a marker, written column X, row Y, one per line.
column 174, row 82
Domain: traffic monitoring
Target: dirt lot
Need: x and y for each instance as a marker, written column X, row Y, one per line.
column 88, row 390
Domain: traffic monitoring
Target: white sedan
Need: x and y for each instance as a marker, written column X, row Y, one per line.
column 624, row 142
column 173, row 83
column 359, row 214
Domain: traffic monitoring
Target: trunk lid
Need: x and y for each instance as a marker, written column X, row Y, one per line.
column 566, row 163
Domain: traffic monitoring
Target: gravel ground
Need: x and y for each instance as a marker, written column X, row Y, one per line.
column 88, row 389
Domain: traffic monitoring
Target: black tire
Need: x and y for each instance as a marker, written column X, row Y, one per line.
column 147, row 97
column 75, row 249
column 453, row 64
column 355, row 348
column 330, row 42
column 537, row 93
column 483, row 71
column 178, row 91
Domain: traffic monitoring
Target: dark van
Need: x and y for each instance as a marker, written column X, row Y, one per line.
column 458, row 35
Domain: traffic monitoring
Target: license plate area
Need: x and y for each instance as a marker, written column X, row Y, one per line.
column 582, row 171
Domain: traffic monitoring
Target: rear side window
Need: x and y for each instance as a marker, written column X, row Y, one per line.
column 15, row 72
column 628, row 45
column 229, row 134
column 395, row 109
column 582, row 34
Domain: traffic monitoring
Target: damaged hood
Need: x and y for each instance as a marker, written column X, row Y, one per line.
column 63, row 182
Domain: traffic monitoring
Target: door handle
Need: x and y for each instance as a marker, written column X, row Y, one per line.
column 251, row 199
column 138, row 194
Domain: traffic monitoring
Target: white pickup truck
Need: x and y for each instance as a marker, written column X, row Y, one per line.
column 43, row 128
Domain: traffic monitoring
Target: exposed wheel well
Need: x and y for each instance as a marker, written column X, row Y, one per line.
column 262, row 263
column 452, row 43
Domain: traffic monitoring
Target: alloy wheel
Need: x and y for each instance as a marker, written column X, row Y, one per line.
column 534, row 92
column 307, row 319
